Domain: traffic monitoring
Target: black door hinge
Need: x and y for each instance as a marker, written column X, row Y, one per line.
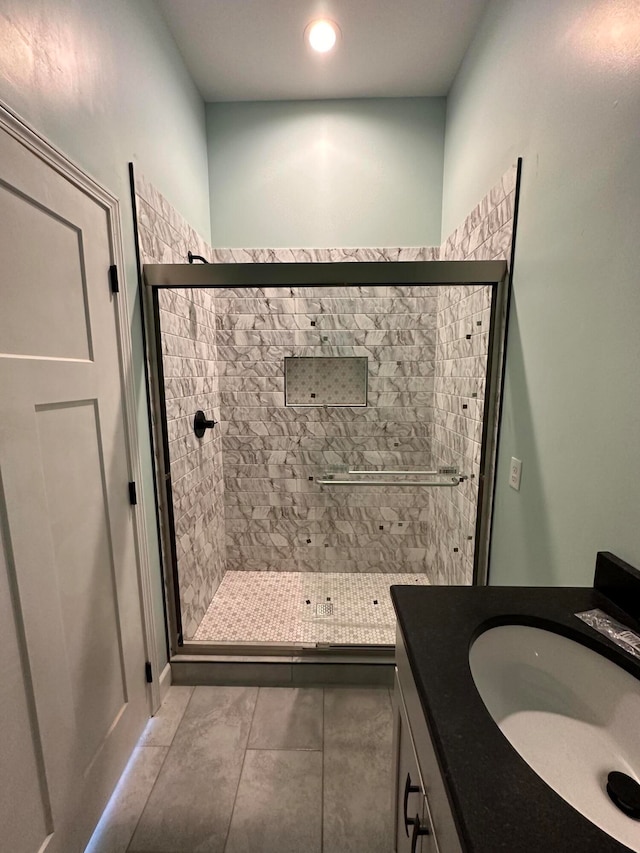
column 113, row 279
column 133, row 495
column 147, row 672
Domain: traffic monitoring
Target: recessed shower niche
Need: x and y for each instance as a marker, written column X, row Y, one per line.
column 353, row 447
column 325, row 380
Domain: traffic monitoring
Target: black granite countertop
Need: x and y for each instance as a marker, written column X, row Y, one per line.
column 499, row 803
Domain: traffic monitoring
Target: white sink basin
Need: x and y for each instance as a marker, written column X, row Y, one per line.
column 572, row 714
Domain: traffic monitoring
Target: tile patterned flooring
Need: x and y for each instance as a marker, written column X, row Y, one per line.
column 280, row 607
column 267, row 770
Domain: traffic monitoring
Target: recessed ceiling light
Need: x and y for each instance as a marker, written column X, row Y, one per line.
column 322, row 35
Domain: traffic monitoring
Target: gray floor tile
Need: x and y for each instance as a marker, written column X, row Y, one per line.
column 358, row 730
column 287, row 718
column 190, row 806
column 279, row 804
column 119, row 819
column 161, row 729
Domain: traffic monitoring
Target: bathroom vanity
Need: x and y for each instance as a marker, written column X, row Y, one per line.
column 424, row 822
column 460, row 786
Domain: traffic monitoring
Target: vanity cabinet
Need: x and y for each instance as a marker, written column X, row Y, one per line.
column 423, row 819
column 413, row 830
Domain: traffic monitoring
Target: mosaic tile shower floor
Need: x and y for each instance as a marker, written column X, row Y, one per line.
column 281, row 607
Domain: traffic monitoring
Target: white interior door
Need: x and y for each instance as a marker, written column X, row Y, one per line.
column 73, row 695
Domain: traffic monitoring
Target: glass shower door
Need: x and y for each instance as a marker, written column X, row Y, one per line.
column 348, row 451
column 364, row 383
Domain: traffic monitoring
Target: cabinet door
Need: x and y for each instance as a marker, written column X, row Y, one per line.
column 409, row 799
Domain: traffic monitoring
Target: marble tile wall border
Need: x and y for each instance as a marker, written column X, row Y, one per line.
column 486, row 234
column 189, row 355
column 315, row 256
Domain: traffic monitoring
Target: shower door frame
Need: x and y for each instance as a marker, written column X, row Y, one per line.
column 155, row 277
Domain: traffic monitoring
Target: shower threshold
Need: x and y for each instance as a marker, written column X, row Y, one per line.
column 284, row 667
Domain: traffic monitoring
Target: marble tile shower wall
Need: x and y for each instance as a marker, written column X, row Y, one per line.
column 278, row 517
column 189, row 357
column 460, row 378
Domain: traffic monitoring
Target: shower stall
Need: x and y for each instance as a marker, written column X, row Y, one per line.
column 323, row 430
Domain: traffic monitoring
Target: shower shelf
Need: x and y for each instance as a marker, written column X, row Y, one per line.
column 441, row 472
column 329, row 479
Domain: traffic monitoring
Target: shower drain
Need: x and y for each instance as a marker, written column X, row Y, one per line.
column 324, row 609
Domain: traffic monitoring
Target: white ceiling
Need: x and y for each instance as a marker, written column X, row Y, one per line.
column 253, row 50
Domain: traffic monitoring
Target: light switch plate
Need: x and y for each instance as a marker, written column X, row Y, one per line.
column 515, row 472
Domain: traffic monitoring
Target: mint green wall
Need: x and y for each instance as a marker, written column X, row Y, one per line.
column 326, row 173
column 558, row 83
column 554, row 82
column 105, row 83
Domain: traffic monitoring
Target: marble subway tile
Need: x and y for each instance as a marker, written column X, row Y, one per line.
column 460, row 376
column 190, row 365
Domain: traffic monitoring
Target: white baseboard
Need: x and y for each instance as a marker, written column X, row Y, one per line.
column 165, row 682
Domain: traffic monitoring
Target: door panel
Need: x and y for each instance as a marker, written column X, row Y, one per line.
column 25, row 814
column 75, row 488
column 46, row 288
column 63, row 459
